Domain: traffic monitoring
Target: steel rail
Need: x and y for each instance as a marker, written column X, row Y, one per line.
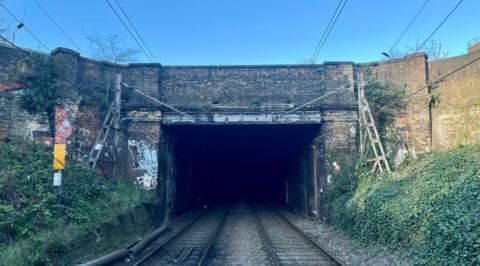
column 306, row 237
column 213, row 238
column 263, row 235
column 156, row 249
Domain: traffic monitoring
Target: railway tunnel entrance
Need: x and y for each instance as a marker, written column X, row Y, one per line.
column 224, row 132
column 263, row 162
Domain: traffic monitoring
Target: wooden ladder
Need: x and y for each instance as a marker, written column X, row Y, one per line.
column 369, row 133
column 102, row 136
column 111, row 120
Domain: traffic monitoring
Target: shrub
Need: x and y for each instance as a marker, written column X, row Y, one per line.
column 33, row 212
column 41, row 89
column 429, row 206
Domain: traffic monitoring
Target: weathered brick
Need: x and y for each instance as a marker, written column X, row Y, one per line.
column 456, row 118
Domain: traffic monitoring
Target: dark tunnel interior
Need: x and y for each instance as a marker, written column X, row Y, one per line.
column 222, row 163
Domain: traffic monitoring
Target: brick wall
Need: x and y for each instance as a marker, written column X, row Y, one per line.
column 411, row 73
column 456, row 118
column 15, row 122
column 474, row 47
column 255, row 86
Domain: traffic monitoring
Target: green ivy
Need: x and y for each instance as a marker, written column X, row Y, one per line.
column 429, row 206
column 41, row 89
column 386, row 101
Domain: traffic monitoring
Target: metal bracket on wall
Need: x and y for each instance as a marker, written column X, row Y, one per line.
column 370, row 143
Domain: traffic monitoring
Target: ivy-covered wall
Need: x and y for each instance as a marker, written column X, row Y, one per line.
column 412, row 122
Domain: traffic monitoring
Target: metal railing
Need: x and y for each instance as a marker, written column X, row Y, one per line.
column 473, row 41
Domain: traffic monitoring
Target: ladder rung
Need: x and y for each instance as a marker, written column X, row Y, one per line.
column 367, row 124
column 378, row 159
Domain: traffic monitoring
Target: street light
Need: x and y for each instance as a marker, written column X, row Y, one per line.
column 387, row 55
column 19, row 26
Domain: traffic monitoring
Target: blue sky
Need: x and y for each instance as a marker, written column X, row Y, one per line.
column 194, row 32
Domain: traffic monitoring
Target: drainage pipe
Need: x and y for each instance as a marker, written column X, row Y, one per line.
column 124, row 252
column 107, row 259
column 140, row 245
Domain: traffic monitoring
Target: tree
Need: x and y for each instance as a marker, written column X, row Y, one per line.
column 110, row 48
column 434, row 50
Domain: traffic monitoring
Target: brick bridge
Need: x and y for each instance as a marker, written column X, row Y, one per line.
column 240, row 135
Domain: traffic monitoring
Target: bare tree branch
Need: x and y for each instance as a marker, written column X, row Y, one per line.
column 434, row 50
column 110, row 48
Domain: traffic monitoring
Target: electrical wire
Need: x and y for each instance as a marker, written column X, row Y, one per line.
column 440, row 25
column 426, row 40
column 25, row 6
column 325, row 32
column 136, row 31
column 57, row 25
column 409, row 25
column 129, row 31
column 328, row 29
column 437, row 81
column 25, row 26
column 38, row 61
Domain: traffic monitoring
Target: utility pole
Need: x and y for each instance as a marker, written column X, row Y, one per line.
column 314, row 176
column 118, row 100
column 117, row 118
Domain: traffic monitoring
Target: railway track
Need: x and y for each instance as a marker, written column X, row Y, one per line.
column 190, row 245
column 275, row 240
column 239, row 242
column 286, row 244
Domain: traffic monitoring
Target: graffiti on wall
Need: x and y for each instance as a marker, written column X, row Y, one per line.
column 63, row 126
column 12, row 86
column 144, row 158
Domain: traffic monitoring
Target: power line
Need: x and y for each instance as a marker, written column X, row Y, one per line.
column 57, row 25
column 426, row 40
column 315, row 100
column 441, row 23
column 129, row 31
column 409, row 25
column 28, row 54
column 437, row 81
column 25, row 26
column 24, row 10
column 327, row 31
column 136, row 31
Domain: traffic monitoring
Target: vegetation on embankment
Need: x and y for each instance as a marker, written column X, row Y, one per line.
column 429, row 207
column 37, row 220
